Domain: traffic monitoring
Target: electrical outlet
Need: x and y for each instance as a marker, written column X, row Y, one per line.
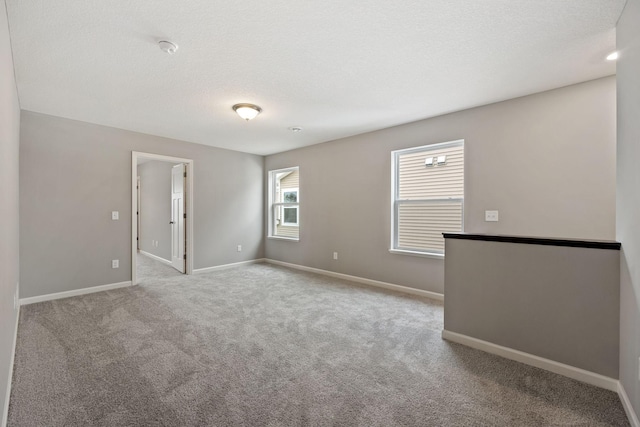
column 491, row 216
column 239, row 248
column 115, row 263
column 335, row 255
column 157, row 243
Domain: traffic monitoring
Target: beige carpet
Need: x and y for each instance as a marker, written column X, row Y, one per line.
column 262, row 345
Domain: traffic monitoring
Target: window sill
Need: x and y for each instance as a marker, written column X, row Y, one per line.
column 290, row 239
column 416, row 253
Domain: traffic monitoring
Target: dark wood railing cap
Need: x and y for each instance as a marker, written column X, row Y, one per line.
column 547, row 241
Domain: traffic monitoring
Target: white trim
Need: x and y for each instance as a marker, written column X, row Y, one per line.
column 226, row 266
column 427, row 147
column 532, row 360
column 362, row 280
column 156, row 257
column 291, row 239
column 135, row 155
column 628, row 408
column 73, row 293
column 417, row 253
column 5, row 414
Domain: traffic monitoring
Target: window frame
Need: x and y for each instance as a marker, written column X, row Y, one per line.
column 273, row 204
column 283, row 207
column 396, row 202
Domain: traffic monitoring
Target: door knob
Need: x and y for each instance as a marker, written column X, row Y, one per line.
column 171, row 222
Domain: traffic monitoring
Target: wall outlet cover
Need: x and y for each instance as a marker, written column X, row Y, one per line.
column 491, row 216
column 115, row 215
column 115, row 263
column 239, row 248
column 335, row 255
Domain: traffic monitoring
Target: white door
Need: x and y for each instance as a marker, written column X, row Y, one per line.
column 138, row 212
column 177, row 217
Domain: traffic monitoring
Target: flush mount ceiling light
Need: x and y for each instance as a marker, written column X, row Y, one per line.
column 295, row 129
column 612, row 56
column 247, row 111
column 168, row 47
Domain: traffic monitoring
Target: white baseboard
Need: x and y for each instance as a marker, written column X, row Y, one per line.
column 73, row 293
column 225, row 266
column 362, row 280
column 156, row 257
column 5, row 413
column 537, row 361
column 626, row 404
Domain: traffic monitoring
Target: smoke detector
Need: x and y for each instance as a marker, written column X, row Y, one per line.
column 168, row 47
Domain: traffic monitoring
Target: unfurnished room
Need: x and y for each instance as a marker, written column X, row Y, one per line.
column 285, row 213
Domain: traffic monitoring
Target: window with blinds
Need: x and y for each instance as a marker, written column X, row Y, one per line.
column 428, row 196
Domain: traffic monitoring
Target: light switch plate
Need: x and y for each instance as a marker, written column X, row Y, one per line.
column 115, row 215
column 491, row 216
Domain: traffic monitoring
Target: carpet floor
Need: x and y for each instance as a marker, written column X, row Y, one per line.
column 262, row 345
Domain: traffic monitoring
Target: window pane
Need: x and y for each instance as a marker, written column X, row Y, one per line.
column 280, row 229
column 290, row 215
column 418, row 181
column 420, row 225
column 290, row 196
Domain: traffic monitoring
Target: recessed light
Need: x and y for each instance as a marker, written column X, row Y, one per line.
column 168, row 47
column 295, row 129
column 612, row 56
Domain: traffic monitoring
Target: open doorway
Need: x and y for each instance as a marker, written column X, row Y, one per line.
column 162, row 215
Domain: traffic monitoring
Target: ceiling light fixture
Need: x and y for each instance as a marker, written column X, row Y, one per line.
column 295, row 129
column 247, row 111
column 168, row 47
column 612, row 56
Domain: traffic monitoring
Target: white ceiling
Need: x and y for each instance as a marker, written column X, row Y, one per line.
column 334, row 67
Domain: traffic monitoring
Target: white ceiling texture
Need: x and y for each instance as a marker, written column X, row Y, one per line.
column 333, row 67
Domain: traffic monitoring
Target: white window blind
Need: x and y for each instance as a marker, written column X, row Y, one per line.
column 428, row 196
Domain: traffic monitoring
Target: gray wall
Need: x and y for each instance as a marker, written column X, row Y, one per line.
column 545, row 161
column 9, row 142
column 155, row 208
column 628, row 196
column 560, row 303
column 73, row 174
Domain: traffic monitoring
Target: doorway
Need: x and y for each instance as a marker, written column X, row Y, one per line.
column 169, row 237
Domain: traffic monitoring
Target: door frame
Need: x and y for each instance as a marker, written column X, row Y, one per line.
column 135, row 155
column 138, row 213
column 178, row 222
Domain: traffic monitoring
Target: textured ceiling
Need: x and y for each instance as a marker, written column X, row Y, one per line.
column 336, row 68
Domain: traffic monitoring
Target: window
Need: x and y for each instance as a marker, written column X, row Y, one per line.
column 290, row 213
column 427, row 197
column 284, row 203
